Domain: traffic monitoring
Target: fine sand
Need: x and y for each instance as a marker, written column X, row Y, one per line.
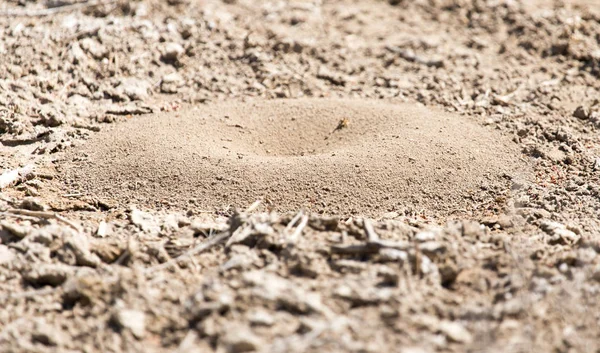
column 289, row 153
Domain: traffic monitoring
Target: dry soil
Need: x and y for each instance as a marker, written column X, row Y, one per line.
column 455, row 209
column 294, row 154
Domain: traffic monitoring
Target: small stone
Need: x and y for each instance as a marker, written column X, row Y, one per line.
column 472, row 229
column 455, row 332
column 259, row 317
column 513, row 307
column 77, row 55
column 134, row 89
column 596, row 274
column 170, row 223
column 46, row 334
column 241, row 339
column 49, row 274
column 15, row 229
column 84, row 288
column 448, row 273
column 78, row 101
column 132, row 320
column 172, row 51
column 392, row 255
column 388, row 276
column 558, row 233
column 581, row 112
column 509, row 325
column 80, row 246
column 425, row 236
column 6, row 255
column 334, row 78
column 33, row 204
column 173, row 78
column 93, row 47
column 489, row 221
column 428, row 266
column 541, row 213
column 433, row 249
column 144, row 221
column 102, row 229
column 50, row 117
column 285, row 293
column 564, row 268
column 388, row 312
column 391, row 215
column 505, row 221
column 170, row 83
column 240, row 261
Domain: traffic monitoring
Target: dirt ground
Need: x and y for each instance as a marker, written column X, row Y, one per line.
column 428, row 176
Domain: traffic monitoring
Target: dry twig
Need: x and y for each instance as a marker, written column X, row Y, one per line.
column 55, row 10
column 254, row 206
column 239, row 235
column 294, row 237
column 409, row 55
column 44, row 215
column 293, row 222
column 217, row 239
column 371, row 235
column 372, row 245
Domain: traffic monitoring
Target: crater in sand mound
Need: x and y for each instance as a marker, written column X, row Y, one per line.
column 389, row 157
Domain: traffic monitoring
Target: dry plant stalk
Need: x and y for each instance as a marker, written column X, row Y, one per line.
column 55, row 10
column 44, row 215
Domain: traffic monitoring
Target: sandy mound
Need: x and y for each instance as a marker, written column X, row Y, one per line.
column 289, row 153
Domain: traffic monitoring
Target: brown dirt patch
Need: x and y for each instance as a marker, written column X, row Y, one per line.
column 288, row 152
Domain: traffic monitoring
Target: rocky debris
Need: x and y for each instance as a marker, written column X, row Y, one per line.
column 49, row 274
column 94, row 48
column 132, row 320
column 144, row 221
column 334, row 78
column 134, row 89
column 260, row 317
column 239, row 339
column 14, row 229
column 47, row 335
column 6, row 255
column 581, row 112
column 237, row 306
column 129, row 109
column 559, row 234
column 274, row 289
column 455, row 332
column 596, row 274
column 172, row 51
column 80, row 246
column 171, row 83
column 85, row 288
column 411, row 56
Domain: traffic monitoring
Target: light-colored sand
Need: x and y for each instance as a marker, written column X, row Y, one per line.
column 390, row 157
